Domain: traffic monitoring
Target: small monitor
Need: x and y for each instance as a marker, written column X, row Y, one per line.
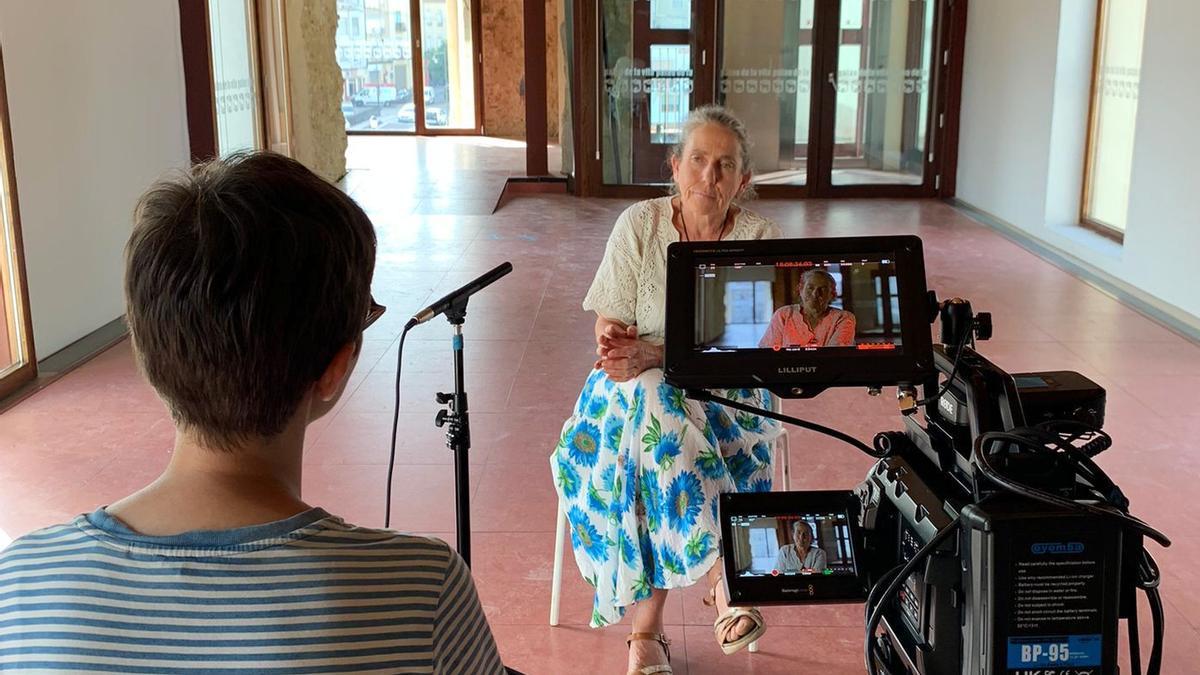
column 797, row 315
column 792, row 547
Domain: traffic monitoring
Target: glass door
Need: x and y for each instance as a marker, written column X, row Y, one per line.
column 839, row 97
column 410, row 66
column 232, row 36
column 17, row 358
column 449, row 66
column 766, row 78
column 881, row 86
column 375, row 52
column 656, row 67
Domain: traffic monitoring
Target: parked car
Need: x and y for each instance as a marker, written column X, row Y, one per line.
column 408, row 113
column 435, row 116
column 375, row 94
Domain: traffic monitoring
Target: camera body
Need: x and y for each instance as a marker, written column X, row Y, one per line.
column 1024, row 587
column 984, row 540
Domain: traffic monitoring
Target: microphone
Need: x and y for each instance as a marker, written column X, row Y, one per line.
column 460, row 295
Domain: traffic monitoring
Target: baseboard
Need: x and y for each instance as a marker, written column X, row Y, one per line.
column 69, row 358
column 1164, row 313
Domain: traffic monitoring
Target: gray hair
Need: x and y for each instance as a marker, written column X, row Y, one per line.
column 796, row 525
column 816, row 271
column 721, row 116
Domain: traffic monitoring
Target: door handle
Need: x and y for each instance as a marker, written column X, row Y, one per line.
column 832, row 80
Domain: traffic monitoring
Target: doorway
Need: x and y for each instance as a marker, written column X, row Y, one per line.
column 840, row 97
column 410, row 66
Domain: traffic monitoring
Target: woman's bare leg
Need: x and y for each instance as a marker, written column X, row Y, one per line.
column 648, row 618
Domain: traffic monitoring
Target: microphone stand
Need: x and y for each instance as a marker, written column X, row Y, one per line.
column 458, row 432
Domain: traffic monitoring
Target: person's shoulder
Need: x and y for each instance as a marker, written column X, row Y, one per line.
column 757, row 226
column 641, row 216
column 47, row 542
column 333, row 532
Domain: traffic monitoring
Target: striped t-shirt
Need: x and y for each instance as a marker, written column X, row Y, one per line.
column 309, row 594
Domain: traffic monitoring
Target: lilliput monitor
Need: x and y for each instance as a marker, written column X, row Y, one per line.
column 797, row 315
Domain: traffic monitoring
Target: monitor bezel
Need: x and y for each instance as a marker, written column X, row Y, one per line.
column 798, row 373
column 792, row 589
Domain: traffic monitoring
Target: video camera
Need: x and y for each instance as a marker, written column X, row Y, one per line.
column 985, row 539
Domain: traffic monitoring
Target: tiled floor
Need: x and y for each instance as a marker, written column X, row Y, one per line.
column 100, row 432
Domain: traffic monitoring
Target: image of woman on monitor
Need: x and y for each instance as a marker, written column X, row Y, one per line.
column 801, row 555
column 814, row 322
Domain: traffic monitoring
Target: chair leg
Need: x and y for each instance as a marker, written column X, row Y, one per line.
column 556, row 582
column 784, row 447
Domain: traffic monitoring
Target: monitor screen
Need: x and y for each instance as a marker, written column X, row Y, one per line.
column 796, row 544
column 850, row 304
column 798, row 316
column 792, row 547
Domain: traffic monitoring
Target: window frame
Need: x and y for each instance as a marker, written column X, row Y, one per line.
column 1089, row 157
column 19, row 321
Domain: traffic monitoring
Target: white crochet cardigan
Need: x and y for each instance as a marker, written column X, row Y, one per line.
column 631, row 283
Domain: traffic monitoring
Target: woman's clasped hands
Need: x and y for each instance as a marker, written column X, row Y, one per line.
column 623, row 356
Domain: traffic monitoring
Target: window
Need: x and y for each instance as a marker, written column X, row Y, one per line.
column 1118, row 59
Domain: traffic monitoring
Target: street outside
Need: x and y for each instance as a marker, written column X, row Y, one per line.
column 393, row 116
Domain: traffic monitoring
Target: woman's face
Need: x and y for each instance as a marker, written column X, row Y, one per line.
column 816, row 294
column 708, row 172
column 803, row 537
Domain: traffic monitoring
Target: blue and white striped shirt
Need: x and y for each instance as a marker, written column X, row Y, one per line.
column 309, row 594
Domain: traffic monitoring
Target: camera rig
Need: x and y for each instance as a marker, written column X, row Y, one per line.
column 985, row 539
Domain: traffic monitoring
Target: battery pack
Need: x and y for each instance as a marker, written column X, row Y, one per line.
column 1042, row 590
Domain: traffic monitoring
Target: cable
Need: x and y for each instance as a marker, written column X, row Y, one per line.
column 1156, row 615
column 876, row 613
column 1135, row 651
column 962, row 343
column 703, row 395
column 983, row 462
column 1148, row 579
column 387, row 513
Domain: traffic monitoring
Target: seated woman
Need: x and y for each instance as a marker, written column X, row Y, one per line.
column 638, row 466
column 812, row 323
column 801, row 555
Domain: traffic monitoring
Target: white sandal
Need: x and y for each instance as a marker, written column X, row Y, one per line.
column 726, row 621
column 661, row 639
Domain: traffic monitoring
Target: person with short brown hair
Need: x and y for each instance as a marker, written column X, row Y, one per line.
column 248, row 288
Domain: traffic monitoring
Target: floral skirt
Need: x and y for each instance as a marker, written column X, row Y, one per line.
column 639, row 468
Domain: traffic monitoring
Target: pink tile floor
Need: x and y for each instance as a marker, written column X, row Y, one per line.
column 100, row 433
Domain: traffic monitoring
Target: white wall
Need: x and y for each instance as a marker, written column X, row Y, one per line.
column 96, row 100
column 1021, row 145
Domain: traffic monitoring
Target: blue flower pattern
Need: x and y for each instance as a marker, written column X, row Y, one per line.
column 639, row 472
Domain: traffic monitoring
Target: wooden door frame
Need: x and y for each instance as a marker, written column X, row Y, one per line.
column 19, row 317
column 275, row 76
column 195, row 35
column 198, row 79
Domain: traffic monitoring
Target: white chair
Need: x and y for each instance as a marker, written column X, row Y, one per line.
column 781, row 455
